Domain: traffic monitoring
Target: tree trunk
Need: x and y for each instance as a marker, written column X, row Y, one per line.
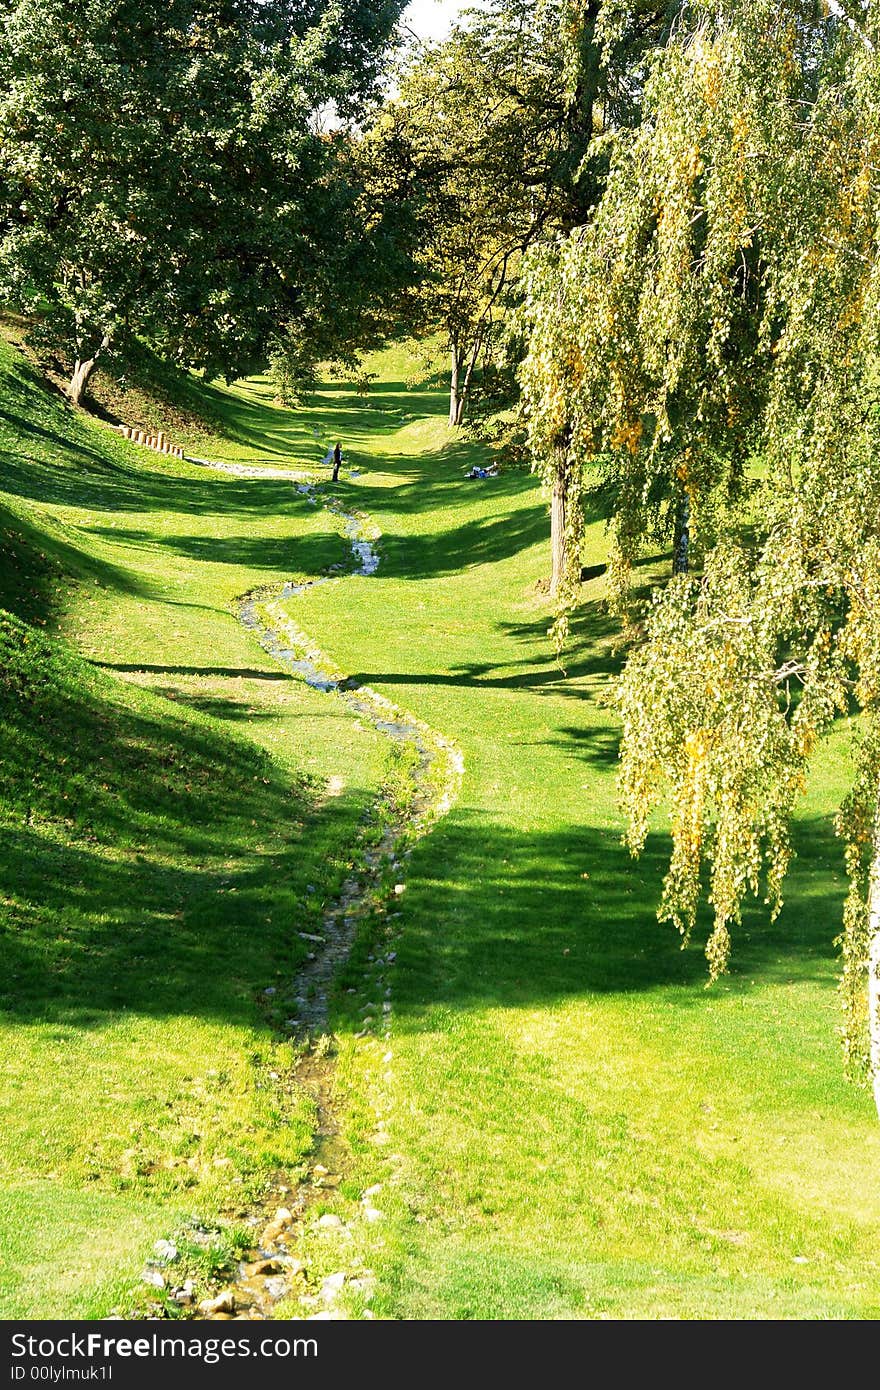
column 456, row 397
column 465, row 388
column 558, row 522
column 579, row 118
column 874, row 966
column 83, row 368
column 681, row 550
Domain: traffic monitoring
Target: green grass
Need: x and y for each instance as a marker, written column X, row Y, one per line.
column 165, row 831
column 573, row 1124
column 580, row 1127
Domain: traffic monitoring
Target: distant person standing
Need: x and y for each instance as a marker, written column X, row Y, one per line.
column 337, row 460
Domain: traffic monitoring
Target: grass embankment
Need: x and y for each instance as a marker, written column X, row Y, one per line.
column 579, row 1127
column 173, row 811
column 569, row 1123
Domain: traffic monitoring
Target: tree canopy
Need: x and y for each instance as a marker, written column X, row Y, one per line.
column 494, row 134
column 162, row 171
column 715, row 330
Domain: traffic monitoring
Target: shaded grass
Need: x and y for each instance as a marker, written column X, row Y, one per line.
column 580, row 1128
column 576, row 1126
column 163, row 838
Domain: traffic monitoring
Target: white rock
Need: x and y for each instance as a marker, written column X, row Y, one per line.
column 223, row 1303
column 329, row 1220
column 166, row 1250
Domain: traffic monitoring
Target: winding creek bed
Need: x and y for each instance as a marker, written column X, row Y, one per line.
column 272, row 1271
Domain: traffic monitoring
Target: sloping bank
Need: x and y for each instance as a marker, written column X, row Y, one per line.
column 427, row 769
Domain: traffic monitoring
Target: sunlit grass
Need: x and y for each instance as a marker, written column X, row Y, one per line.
column 576, row 1126
column 163, row 838
column 580, row 1126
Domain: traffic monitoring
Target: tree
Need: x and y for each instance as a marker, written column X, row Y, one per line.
column 732, row 277
column 492, row 134
column 456, row 143
column 504, row 132
column 162, row 173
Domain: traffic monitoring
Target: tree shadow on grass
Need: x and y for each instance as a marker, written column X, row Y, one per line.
column 152, row 865
column 597, row 744
column 106, row 485
column 540, row 680
column 36, row 567
column 148, row 863
column 228, row 672
column 491, row 920
column 484, row 541
column 49, row 455
column 309, row 554
column 335, row 410
column 435, row 481
column 499, row 919
column 87, row 933
column 588, row 658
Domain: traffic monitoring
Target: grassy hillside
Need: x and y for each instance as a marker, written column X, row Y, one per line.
column 165, row 830
column 580, row 1128
column 564, row 1121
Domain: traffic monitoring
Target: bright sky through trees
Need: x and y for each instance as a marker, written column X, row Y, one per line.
column 432, row 19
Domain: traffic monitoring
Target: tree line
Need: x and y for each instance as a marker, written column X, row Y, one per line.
column 648, row 235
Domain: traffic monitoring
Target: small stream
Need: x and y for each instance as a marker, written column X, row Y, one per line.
column 271, row 1271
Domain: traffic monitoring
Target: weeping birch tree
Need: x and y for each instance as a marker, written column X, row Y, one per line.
column 715, row 335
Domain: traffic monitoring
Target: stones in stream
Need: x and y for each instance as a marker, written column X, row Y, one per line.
column 271, row 1272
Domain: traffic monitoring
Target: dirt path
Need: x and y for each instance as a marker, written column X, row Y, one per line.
column 272, row 1271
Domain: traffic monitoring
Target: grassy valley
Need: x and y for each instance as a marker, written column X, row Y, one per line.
column 563, row 1121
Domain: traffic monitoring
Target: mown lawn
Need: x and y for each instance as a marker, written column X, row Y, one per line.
column 572, row 1124
column 579, row 1127
column 173, row 811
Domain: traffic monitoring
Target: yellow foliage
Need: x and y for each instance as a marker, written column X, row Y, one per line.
column 688, row 827
column 740, row 129
column 696, row 746
column 851, row 313
column 712, row 85
column 627, row 434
